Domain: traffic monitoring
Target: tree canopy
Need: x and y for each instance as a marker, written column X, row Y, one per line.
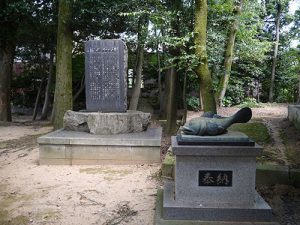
column 246, row 48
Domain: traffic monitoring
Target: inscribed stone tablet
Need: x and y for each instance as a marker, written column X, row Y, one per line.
column 105, row 75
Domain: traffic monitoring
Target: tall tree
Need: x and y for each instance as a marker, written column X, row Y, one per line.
column 277, row 24
column 172, row 74
column 63, row 87
column 142, row 34
column 11, row 14
column 202, row 70
column 229, row 54
column 7, row 48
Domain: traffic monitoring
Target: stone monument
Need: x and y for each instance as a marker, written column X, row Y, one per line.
column 105, row 69
column 105, row 132
column 214, row 181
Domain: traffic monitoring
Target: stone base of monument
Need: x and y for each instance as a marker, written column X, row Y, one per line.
column 159, row 218
column 215, row 182
column 73, row 148
column 107, row 123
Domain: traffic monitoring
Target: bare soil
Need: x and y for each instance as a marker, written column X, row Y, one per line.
column 110, row 194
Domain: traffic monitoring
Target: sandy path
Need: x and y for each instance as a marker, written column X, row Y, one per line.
column 15, row 132
column 74, row 194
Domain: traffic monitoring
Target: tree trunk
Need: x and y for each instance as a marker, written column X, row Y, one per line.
column 136, row 90
column 202, row 70
column 159, row 75
column 138, row 78
column 37, row 100
column 7, row 48
column 48, row 89
column 172, row 76
column 63, row 87
column 6, row 62
column 229, row 55
column 184, row 99
column 277, row 24
column 171, row 105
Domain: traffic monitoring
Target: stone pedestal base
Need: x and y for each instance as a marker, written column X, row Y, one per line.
column 160, row 220
column 107, row 123
column 174, row 210
column 75, row 148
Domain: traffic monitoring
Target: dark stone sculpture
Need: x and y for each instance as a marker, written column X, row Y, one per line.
column 212, row 124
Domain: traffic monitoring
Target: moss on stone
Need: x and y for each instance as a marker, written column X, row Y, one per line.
column 257, row 131
column 167, row 168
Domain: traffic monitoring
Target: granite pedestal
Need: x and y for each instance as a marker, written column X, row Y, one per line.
column 73, row 148
column 215, row 183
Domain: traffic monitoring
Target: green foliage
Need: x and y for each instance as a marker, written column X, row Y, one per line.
column 235, row 93
column 192, row 103
column 257, row 131
column 24, row 89
column 251, row 68
column 249, row 102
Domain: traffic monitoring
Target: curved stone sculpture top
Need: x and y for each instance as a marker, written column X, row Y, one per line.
column 212, row 124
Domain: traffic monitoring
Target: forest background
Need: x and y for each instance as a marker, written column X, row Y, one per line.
column 183, row 54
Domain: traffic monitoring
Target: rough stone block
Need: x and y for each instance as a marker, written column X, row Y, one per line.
column 107, row 123
column 76, row 121
column 116, row 123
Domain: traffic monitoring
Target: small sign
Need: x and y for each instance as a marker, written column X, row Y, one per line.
column 215, row 178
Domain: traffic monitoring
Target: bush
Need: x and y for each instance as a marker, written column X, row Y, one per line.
column 249, row 102
column 192, row 103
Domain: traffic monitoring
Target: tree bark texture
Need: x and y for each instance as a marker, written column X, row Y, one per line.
column 171, row 104
column 274, row 62
column 202, row 70
column 171, row 75
column 45, row 109
column 223, row 84
column 136, row 90
column 7, row 48
column 63, row 87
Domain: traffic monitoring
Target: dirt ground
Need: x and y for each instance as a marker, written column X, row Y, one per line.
column 104, row 195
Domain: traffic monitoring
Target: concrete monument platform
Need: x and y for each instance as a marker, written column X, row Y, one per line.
column 215, row 183
column 173, row 209
column 160, row 220
column 75, row 148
